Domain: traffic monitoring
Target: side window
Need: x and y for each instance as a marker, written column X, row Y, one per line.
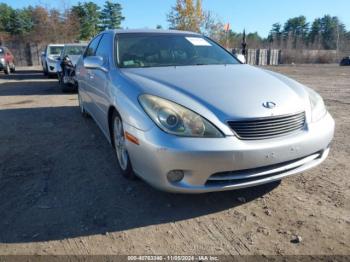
column 90, row 50
column 104, row 46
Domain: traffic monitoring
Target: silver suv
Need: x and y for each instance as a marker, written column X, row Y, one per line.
column 49, row 59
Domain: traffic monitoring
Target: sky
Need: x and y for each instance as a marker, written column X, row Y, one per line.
column 254, row 15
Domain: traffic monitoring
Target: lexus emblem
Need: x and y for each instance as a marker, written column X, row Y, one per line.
column 269, row 105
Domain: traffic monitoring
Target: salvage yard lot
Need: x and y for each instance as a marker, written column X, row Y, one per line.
column 61, row 191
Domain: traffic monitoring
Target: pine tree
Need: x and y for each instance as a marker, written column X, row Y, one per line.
column 111, row 16
column 88, row 15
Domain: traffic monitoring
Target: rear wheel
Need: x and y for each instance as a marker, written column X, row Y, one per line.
column 119, row 144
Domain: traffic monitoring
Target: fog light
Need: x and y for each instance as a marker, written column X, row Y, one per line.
column 175, row 175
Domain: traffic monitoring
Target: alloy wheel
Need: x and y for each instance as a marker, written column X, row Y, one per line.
column 119, row 142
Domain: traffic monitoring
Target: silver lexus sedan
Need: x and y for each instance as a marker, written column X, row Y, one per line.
column 184, row 115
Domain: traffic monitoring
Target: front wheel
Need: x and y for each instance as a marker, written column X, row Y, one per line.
column 119, row 145
column 45, row 71
column 13, row 68
column 7, row 69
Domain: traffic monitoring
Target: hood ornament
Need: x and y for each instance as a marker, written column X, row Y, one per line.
column 269, row 104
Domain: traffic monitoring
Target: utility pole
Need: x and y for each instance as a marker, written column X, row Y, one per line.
column 244, row 45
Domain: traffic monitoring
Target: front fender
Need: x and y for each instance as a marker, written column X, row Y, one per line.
column 124, row 97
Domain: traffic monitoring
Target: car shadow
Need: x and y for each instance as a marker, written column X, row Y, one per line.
column 22, row 75
column 29, row 82
column 29, row 88
column 59, row 179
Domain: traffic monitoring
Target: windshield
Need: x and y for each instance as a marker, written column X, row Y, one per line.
column 149, row 50
column 74, row 50
column 54, row 50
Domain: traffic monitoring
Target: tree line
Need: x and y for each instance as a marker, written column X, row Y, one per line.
column 84, row 20
column 327, row 32
column 43, row 25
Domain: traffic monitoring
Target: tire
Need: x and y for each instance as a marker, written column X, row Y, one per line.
column 13, row 68
column 64, row 87
column 7, row 69
column 45, row 70
column 83, row 112
column 118, row 143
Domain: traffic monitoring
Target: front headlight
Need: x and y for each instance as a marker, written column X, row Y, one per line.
column 2, row 60
column 175, row 119
column 318, row 108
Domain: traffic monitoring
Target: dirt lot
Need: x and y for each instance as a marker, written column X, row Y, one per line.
column 61, row 192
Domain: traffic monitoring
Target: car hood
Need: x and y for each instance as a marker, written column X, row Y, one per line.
column 229, row 92
column 53, row 57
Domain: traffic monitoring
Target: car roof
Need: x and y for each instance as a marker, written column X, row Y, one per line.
column 55, row 45
column 151, row 31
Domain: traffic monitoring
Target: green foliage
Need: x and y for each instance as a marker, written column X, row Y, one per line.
column 88, row 15
column 111, row 16
column 84, row 19
column 325, row 33
column 6, row 14
column 297, row 27
column 331, row 30
column 275, row 33
column 15, row 21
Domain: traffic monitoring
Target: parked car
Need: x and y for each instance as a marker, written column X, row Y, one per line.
column 7, row 60
column 345, row 61
column 186, row 116
column 49, row 59
column 66, row 65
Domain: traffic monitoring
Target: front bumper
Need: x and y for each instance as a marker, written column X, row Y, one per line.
column 218, row 164
column 52, row 67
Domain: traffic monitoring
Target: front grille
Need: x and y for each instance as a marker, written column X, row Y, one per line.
column 255, row 174
column 269, row 127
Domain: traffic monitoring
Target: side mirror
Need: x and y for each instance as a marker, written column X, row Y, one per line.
column 95, row 62
column 241, row 58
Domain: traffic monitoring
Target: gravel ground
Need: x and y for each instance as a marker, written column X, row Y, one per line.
column 61, row 191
